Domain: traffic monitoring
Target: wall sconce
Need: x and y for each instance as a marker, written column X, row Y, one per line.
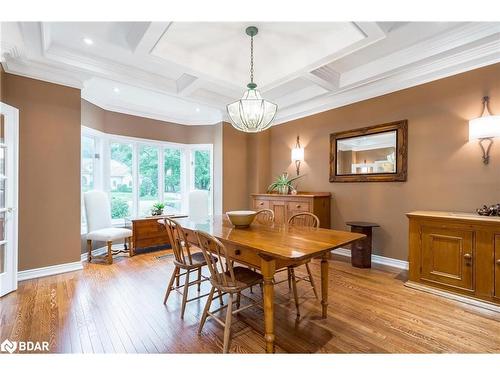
column 485, row 128
column 297, row 155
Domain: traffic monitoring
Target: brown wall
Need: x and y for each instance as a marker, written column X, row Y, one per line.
column 445, row 171
column 49, row 170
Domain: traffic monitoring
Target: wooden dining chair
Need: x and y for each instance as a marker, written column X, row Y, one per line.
column 185, row 262
column 303, row 219
column 226, row 279
column 265, row 216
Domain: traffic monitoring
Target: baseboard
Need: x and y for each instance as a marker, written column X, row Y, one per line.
column 453, row 296
column 378, row 259
column 49, row 271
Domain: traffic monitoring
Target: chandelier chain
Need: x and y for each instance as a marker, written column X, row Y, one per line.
column 251, row 59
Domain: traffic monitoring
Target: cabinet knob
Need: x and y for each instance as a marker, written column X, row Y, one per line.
column 468, row 256
column 237, row 252
column 298, row 206
column 498, row 262
column 261, row 203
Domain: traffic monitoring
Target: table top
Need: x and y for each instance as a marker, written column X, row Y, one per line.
column 290, row 196
column 362, row 224
column 455, row 215
column 173, row 216
column 279, row 241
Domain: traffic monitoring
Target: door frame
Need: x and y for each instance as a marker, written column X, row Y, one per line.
column 11, row 116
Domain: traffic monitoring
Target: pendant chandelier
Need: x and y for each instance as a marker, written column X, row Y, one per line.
column 251, row 113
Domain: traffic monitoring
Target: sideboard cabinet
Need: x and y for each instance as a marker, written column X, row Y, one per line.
column 285, row 205
column 456, row 252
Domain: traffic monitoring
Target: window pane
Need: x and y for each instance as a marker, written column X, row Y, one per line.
column 202, row 173
column 148, row 179
column 121, row 180
column 202, row 170
column 88, row 154
column 172, row 185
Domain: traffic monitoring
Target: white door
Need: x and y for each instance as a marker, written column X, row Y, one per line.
column 9, row 135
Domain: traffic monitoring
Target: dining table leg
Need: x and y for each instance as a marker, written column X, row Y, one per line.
column 324, row 284
column 268, row 268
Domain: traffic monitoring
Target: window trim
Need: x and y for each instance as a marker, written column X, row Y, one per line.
column 102, row 180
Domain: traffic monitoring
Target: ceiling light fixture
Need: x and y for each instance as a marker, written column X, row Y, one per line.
column 88, row 41
column 251, row 113
column 197, row 110
column 116, row 90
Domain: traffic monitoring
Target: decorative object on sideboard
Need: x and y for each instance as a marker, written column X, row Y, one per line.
column 251, row 113
column 157, row 209
column 485, row 128
column 283, row 184
column 297, row 155
column 493, row 210
column 372, row 154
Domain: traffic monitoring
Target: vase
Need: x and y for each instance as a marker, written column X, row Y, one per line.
column 283, row 190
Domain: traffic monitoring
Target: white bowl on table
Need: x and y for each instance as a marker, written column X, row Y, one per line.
column 241, row 219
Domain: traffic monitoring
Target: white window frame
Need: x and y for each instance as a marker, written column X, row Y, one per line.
column 102, row 180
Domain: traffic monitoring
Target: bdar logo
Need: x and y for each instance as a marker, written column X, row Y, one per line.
column 8, row 346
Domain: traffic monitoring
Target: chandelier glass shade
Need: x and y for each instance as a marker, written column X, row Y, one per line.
column 252, row 113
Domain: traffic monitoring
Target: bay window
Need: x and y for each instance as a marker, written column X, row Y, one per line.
column 137, row 173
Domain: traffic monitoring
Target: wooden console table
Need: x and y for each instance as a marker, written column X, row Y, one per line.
column 148, row 235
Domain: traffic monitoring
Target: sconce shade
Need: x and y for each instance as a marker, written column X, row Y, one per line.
column 297, row 154
column 484, row 127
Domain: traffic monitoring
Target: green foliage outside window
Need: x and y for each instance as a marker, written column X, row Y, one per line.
column 202, row 170
column 119, row 208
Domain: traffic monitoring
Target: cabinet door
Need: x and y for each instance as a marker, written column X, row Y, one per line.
column 497, row 266
column 279, row 208
column 447, row 257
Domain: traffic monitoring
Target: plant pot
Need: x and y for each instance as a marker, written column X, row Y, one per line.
column 283, row 190
column 157, row 213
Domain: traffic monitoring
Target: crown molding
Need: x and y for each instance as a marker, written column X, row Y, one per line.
column 471, row 59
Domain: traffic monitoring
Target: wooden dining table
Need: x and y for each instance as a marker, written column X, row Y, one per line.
column 270, row 248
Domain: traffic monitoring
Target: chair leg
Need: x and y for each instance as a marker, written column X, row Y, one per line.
column 130, row 250
column 199, row 279
column 170, row 284
column 238, row 300
column 206, row 309
column 220, row 298
column 89, row 250
column 110, row 252
column 289, row 274
column 185, row 294
column 294, row 287
column 227, row 327
column 311, row 280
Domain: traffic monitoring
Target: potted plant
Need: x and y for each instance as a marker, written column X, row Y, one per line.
column 283, row 184
column 157, row 209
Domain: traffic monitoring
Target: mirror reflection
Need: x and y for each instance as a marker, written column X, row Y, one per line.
column 367, row 154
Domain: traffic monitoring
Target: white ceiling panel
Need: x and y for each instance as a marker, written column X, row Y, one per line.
column 188, row 72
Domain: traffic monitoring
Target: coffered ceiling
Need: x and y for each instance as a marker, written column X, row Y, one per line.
column 187, row 72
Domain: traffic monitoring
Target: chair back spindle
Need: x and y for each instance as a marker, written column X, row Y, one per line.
column 265, row 216
column 216, row 256
column 304, row 219
column 178, row 241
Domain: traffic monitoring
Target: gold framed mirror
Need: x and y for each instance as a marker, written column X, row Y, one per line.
column 371, row 154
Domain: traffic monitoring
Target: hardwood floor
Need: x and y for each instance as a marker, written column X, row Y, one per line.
column 118, row 308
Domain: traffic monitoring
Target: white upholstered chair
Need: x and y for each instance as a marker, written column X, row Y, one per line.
column 100, row 228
